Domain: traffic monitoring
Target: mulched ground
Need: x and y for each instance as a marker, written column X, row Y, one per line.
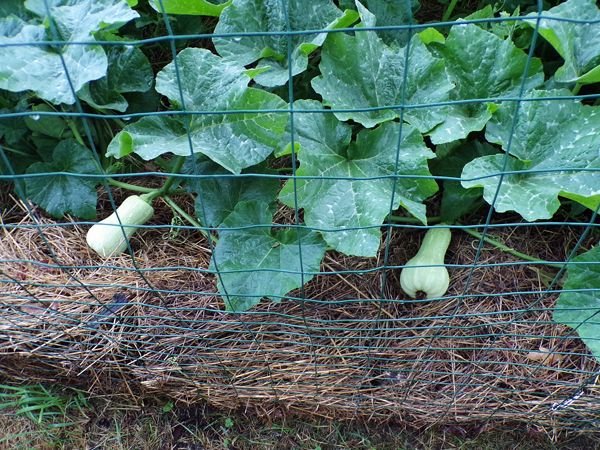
column 348, row 346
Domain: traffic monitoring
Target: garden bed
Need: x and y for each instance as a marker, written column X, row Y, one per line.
column 278, row 164
column 342, row 352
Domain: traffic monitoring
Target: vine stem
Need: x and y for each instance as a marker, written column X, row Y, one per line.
column 511, row 251
column 449, row 10
column 150, row 194
column 14, row 150
column 177, row 209
column 162, row 191
column 409, row 220
column 130, row 187
column 499, row 245
column 75, row 132
column 140, row 189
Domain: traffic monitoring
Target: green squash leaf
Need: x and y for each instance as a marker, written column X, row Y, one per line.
column 348, row 202
column 31, row 67
column 456, row 200
column 235, row 141
column 128, row 71
column 481, row 65
column 217, row 197
column 393, row 13
column 12, row 129
column 64, row 194
column 13, row 7
column 190, row 7
column 16, row 152
column 581, row 310
column 48, row 125
column 259, row 262
column 208, row 82
column 550, row 135
column 361, row 71
column 577, row 43
column 272, row 50
column 431, row 35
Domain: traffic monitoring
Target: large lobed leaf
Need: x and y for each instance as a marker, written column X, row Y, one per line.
column 218, row 191
column 393, row 13
column 60, row 194
column 577, row 42
column 481, row 65
column 361, row 71
column 276, row 17
column 46, row 125
column 208, row 83
column 580, row 309
column 258, row 262
column 13, row 7
column 351, row 205
column 449, row 162
column 128, row 71
column 550, row 135
column 28, row 66
column 190, row 7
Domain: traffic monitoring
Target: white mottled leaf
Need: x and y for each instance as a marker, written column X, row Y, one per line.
column 361, row 71
column 277, row 17
column 30, row 67
column 208, row 83
column 481, row 65
column 577, row 43
column 550, row 135
column 257, row 261
column 349, row 201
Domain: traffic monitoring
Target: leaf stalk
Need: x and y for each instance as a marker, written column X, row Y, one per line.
column 177, row 209
column 511, row 251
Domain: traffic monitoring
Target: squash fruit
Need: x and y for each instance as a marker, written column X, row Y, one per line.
column 110, row 236
column 432, row 281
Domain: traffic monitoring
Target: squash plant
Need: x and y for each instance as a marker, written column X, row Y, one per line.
column 358, row 122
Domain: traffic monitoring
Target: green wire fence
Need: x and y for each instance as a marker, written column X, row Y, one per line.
column 267, row 307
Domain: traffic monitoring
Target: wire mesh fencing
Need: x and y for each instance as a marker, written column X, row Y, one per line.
column 269, row 169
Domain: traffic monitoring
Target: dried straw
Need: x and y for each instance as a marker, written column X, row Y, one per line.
column 342, row 353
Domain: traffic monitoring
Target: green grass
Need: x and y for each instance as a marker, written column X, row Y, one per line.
column 39, row 417
column 40, row 414
column 41, row 404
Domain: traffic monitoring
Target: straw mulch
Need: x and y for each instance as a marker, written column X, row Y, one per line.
column 343, row 353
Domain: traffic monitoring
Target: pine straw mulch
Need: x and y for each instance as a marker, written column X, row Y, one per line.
column 341, row 353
